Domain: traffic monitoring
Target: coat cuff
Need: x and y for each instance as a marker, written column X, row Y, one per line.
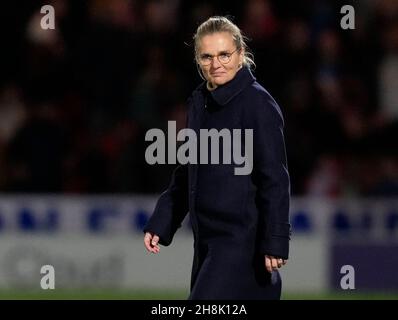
column 164, row 239
column 161, row 228
column 276, row 242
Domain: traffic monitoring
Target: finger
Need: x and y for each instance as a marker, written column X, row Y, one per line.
column 268, row 264
column 280, row 262
column 155, row 240
column 155, row 244
column 274, row 263
column 148, row 244
column 147, row 241
column 284, row 261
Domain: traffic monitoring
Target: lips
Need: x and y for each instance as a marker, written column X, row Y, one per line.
column 217, row 74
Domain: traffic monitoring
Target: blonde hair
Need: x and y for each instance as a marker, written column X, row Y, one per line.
column 223, row 24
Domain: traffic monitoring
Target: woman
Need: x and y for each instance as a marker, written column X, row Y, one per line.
column 240, row 222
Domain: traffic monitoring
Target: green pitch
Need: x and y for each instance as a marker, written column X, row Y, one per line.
column 112, row 294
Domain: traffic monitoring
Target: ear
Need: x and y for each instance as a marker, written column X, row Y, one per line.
column 241, row 56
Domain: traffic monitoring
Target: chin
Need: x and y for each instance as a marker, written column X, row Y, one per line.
column 219, row 81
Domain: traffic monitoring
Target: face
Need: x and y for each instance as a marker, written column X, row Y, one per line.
column 219, row 44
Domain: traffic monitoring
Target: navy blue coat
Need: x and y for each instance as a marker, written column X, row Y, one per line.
column 236, row 219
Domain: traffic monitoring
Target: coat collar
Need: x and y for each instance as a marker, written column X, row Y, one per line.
column 223, row 94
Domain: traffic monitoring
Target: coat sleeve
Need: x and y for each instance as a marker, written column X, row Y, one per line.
column 271, row 177
column 171, row 207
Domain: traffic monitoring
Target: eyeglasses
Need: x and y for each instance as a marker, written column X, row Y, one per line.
column 223, row 58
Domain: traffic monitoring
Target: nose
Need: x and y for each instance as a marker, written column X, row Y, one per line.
column 215, row 63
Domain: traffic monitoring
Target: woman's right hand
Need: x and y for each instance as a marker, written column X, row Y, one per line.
column 151, row 242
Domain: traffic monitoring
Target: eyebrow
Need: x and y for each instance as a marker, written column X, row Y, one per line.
column 220, row 52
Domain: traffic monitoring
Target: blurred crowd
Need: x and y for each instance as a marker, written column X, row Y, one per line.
column 76, row 102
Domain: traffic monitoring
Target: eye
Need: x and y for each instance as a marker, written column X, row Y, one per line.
column 205, row 57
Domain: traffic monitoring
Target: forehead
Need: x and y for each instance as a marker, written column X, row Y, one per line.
column 216, row 42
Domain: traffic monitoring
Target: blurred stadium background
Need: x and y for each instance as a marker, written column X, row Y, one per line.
column 75, row 103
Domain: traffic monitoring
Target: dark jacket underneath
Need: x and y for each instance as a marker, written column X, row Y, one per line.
column 236, row 219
